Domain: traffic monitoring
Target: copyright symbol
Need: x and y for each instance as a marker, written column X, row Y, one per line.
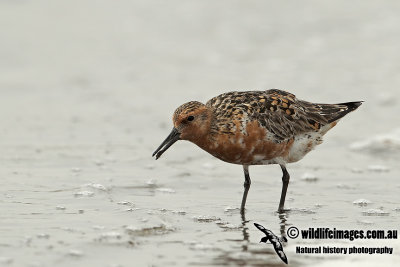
column 292, row 232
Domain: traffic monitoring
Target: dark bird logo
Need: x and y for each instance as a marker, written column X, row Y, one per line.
column 275, row 241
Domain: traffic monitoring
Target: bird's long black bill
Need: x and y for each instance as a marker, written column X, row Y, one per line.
column 169, row 141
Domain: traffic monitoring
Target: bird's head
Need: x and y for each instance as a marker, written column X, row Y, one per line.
column 264, row 239
column 191, row 121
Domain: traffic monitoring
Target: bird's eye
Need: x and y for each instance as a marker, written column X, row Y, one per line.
column 190, row 118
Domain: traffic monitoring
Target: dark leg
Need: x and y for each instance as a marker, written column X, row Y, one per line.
column 247, row 183
column 285, row 183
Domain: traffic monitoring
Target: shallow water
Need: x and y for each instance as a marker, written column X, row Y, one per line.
column 87, row 94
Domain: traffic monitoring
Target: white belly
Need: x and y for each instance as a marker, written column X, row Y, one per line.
column 302, row 145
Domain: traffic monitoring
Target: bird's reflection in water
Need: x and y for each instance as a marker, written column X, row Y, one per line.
column 282, row 218
column 245, row 231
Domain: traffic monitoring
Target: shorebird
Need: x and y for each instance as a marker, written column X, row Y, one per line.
column 255, row 128
column 275, row 241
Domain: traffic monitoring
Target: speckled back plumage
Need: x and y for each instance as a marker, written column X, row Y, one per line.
column 280, row 112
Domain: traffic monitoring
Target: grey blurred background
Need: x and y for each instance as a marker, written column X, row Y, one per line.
column 87, row 93
column 93, row 61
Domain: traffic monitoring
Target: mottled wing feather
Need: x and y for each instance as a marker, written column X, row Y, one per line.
column 280, row 112
column 333, row 112
column 228, row 107
column 276, row 110
column 286, row 116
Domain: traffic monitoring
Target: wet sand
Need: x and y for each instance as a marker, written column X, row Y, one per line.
column 87, row 94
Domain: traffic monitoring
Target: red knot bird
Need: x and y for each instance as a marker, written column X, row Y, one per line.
column 255, row 128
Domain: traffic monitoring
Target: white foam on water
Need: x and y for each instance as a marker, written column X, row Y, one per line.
column 206, row 218
column 362, row 202
column 375, row 212
column 75, row 253
column 166, row 190
column 382, row 143
column 309, row 177
column 378, row 168
column 96, row 186
column 84, row 193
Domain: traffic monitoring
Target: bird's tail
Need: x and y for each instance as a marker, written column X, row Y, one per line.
column 334, row 112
